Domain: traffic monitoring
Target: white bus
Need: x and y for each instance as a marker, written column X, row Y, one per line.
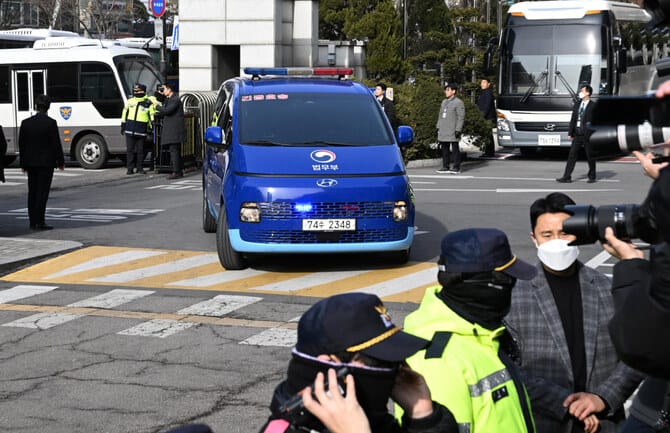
column 549, row 49
column 88, row 82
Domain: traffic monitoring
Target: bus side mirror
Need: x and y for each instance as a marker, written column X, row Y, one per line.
column 488, row 55
column 405, row 135
column 622, row 55
column 214, row 136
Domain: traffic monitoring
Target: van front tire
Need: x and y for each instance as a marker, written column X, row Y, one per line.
column 228, row 257
column 208, row 221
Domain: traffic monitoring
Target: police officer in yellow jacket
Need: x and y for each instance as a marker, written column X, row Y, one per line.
column 469, row 365
column 136, row 122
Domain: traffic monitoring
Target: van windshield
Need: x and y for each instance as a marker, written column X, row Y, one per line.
column 305, row 119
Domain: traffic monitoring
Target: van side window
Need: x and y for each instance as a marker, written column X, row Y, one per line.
column 4, row 84
column 98, row 85
column 62, row 82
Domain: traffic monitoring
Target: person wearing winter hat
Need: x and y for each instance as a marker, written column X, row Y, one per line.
column 353, row 334
column 469, row 366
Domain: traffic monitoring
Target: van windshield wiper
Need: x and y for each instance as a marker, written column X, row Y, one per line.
column 530, row 90
column 265, row 143
column 323, row 143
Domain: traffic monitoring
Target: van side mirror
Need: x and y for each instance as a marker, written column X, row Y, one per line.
column 405, row 135
column 214, row 136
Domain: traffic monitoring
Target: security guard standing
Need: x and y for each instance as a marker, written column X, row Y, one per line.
column 136, row 122
column 469, row 365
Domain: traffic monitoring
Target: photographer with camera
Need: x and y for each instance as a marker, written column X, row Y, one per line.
column 353, row 334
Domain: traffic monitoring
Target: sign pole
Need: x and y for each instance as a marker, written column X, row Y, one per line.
column 163, row 65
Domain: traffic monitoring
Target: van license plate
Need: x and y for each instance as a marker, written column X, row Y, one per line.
column 329, row 225
column 549, row 140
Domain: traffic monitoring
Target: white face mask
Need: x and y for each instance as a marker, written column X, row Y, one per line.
column 557, row 254
column 581, row 95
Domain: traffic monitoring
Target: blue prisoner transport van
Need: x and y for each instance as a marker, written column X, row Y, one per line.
column 304, row 160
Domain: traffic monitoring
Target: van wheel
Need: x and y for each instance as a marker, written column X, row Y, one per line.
column 228, row 257
column 208, row 221
column 91, row 151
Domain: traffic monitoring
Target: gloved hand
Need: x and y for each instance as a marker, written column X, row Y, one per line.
column 457, row 134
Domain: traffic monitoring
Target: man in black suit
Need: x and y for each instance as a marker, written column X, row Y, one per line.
column 579, row 134
column 173, row 133
column 387, row 105
column 40, row 151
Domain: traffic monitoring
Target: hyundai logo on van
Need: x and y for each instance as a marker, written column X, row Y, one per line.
column 326, row 183
column 65, row 112
column 322, row 156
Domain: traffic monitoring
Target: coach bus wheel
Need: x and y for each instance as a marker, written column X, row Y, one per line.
column 91, row 151
column 229, row 258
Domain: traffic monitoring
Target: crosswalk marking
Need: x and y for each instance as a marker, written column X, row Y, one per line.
column 23, row 291
column 307, row 281
column 219, row 305
column 174, row 266
column 112, row 298
column 418, row 279
column 107, row 300
column 157, row 328
column 101, row 262
column 281, row 337
column 217, row 278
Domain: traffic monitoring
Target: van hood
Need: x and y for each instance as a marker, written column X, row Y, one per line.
column 336, row 160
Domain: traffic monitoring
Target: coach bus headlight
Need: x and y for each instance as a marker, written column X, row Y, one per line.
column 400, row 211
column 250, row 213
column 503, row 125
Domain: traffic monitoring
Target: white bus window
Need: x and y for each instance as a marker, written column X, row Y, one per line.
column 62, row 82
column 136, row 70
column 22, row 93
column 98, row 85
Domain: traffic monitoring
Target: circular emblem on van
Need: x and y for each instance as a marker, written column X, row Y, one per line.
column 326, row 183
column 323, row 156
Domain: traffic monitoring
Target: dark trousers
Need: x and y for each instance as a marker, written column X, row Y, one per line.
column 449, row 148
column 39, row 184
column 578, row 142
column 134, row 152
column 175, row 157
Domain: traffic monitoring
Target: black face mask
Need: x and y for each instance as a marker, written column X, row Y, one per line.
column 484, row 299
column 373, row 388
column 138, row 94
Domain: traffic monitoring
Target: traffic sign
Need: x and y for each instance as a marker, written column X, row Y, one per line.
column 157, row 7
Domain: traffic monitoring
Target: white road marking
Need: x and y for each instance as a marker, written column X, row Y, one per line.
column 402, row 284
column 106, row 300
column 511, row 190
column 217, row 278
column 308, row 280
column 219, row 305
column 152, row 271
column 451, row 176
column 157, row 328
column 42, row 320
column 112, row 299
column 101, row 262
column 22, row 292
column 273, row 337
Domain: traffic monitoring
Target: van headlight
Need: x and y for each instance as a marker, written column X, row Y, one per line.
column 250, row 213
column 400, row 211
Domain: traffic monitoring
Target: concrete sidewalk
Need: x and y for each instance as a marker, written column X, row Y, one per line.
column 15, row 251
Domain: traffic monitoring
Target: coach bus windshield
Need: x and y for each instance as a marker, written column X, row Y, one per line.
column 137, row 69
column 535, row 58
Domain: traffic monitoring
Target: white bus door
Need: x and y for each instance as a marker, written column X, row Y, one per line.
column 26, row 85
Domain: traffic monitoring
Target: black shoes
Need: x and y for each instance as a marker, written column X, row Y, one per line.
column 129, row 172
column 563, row 180
column 175, row 176
column 40, row 227
column 591, row 180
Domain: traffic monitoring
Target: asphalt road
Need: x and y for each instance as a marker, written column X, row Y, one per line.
column 141, row 329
